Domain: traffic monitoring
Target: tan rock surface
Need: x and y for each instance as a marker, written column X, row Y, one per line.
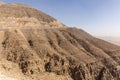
column 42, row 52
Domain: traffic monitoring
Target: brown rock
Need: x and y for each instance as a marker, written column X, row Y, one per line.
column 47, row 50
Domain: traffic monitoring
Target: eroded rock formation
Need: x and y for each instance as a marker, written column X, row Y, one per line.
column 35, row 46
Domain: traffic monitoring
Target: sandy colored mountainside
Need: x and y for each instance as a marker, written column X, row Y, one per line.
column 51, row 51
column 12, row 15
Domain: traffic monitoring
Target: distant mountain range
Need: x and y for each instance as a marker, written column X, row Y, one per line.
column 114, row 40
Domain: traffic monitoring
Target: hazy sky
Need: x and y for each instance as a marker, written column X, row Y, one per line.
column 98, row 17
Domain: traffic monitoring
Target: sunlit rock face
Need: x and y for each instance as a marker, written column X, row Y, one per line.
column 18, row 15
column 35, row 46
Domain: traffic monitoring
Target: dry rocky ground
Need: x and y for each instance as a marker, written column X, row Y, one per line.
column 38, row 47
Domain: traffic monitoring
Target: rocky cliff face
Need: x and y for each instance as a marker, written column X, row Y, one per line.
column 30, row 50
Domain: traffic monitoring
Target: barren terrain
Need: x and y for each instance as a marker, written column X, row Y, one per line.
column 35, row 46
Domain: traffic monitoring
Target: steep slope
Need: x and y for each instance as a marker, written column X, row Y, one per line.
column 12, row 15
column 40, row 52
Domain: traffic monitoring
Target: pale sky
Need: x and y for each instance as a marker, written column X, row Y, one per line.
column 98, row 17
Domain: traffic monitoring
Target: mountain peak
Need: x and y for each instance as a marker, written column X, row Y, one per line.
column 19, row 15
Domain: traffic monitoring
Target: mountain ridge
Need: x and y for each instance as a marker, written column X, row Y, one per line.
column 54, row 51
column 21, row 15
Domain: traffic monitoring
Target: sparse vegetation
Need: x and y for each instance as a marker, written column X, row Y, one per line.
column 52, row 52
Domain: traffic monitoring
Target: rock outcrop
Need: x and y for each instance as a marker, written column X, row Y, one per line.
column 35, row 46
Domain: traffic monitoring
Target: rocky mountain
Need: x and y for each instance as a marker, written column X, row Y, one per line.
column 35, row 46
